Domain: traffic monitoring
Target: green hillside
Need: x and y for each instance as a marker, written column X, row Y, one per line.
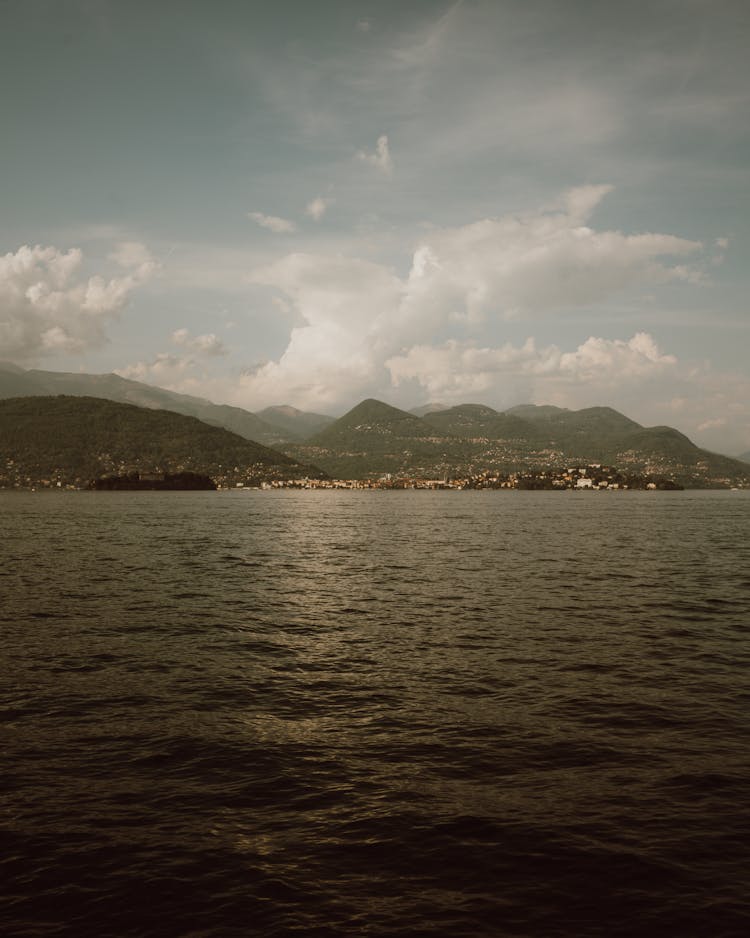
column 536, row 411
column 592, row 424
column 375, row 423
column 73, row 440
column 472, row 421
column 15, row 382
column 664, row 448
column 297, row 424
column 374, row 439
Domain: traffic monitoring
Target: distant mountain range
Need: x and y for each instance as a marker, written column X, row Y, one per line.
column 273, row 426
column 296, row 424
column 375, row 438
column 74, row 440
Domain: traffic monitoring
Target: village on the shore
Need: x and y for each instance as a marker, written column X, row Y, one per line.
column 579, row 478
column 594, row 477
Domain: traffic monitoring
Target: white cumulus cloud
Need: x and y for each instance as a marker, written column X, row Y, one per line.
column 47, row 305
column 455, row 370
column 617, row 358
column 361, row 327
column 342, row 302
column 381, row 158
column 273, row 223
column 133, row 255
column 317, row 207
column 547, row 260
column 208, row 344
column 164, row 369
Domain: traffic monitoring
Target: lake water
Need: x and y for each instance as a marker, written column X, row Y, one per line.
column 375, row 713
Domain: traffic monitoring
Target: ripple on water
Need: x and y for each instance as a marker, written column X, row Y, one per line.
column 317, row 714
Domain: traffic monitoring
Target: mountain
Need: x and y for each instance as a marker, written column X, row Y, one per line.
column 374, row 439
column 536, row 411
column 665, row 447
column 15, row 382
column 590, row 422
column 598, row 433
column 745, row 457
column 297, row 424
column 476, row 421
column 433, row 441
column 73, row 440
column 374, row 423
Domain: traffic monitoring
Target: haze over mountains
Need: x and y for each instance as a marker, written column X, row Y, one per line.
column 374, row 438
column 273, row 426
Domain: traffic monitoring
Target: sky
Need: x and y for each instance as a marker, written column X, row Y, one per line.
column 489, row 201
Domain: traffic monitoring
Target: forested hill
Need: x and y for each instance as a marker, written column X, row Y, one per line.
column 72, row 440
column 279, row 424
column 375, row 438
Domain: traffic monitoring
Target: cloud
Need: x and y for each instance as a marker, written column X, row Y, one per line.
column 634, row 375
column 181, row 373
column 579, row 203
column 164, row 368
column 712, row 424
column 381, row 158
column 273, row 223
column 615, row 358
column 341, row 302
column 133, row 255
column 454, row 370
column 364, row 26
column 362, row 327
column 546, row 260
column 317, row 208
column 208, row 344
column 48, row 306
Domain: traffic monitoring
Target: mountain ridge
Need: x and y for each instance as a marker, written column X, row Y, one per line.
column 298, row 424
column 72, row 440
column 376, row 438
column 17, row 382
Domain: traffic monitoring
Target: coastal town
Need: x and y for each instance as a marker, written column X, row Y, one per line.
column 580, row 478
column 594, row 477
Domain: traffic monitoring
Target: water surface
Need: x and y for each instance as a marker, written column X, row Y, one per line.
column 375, row 713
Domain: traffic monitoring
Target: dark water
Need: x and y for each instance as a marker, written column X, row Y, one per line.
column 456, row 714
